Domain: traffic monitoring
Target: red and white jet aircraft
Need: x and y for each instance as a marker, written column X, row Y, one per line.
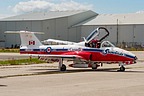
column 93, row 36
column 82, row 56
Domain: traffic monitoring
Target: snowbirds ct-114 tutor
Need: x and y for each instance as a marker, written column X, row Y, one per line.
column 94, row 35
column 82, row 56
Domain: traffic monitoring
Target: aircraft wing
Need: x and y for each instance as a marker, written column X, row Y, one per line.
column 69, row 55
column 57, row 56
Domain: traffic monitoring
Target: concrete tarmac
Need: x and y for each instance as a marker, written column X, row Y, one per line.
column 46, row 80
column 10, row 56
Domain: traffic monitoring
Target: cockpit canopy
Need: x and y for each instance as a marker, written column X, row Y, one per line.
column 106, row 44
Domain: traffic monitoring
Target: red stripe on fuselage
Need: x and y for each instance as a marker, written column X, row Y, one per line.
column 96, row 56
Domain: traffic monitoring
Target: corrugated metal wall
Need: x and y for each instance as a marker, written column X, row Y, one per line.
column 130, row 34
column 2, row 35
column 61, row 28
column 56, row 28
column 53, row 28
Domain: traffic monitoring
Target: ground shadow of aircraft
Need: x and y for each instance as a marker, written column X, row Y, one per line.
column 3, row 85
column 55, row 71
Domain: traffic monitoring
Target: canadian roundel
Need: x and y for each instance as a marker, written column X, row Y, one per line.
column 48, row 49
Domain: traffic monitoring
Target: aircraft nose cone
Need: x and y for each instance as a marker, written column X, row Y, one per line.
column 135, row 58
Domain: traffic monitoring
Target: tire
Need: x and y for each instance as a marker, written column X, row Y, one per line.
column 122, row 68
column 63, row 68
column 94, row 67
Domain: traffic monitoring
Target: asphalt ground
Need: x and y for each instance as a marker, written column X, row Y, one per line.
column 46, row 80
column 7, row 56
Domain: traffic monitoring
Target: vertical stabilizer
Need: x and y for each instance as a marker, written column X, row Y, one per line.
column 28, row 38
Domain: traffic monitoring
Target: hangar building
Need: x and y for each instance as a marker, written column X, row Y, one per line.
column 55, row 25
column 124, row 28
column 72, row 25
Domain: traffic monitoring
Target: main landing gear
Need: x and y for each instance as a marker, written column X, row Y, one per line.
column 62, row 67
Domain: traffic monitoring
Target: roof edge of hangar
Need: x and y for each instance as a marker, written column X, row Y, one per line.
column 43, row 15
column 114, row 19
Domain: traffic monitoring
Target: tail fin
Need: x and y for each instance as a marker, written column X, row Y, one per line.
column 28, row 38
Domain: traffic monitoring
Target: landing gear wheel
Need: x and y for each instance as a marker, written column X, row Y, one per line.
column 63, row 68
column 94, row 67
column 122, row 69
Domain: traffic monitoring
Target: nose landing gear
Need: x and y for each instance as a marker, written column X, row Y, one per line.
column 122, row 68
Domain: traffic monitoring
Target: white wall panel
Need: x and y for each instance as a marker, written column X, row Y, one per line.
column 2, row 35
column 11, row 38
column 139, row 33
column 24, row 25
column 49, row 29
column 62, row 29
column 72, row 35
column 36, row 26
column 78, row 32
column 125, row 33
column 86, row 30
column 113, row 34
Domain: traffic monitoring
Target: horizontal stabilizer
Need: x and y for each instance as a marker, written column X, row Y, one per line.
column 18, row 32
